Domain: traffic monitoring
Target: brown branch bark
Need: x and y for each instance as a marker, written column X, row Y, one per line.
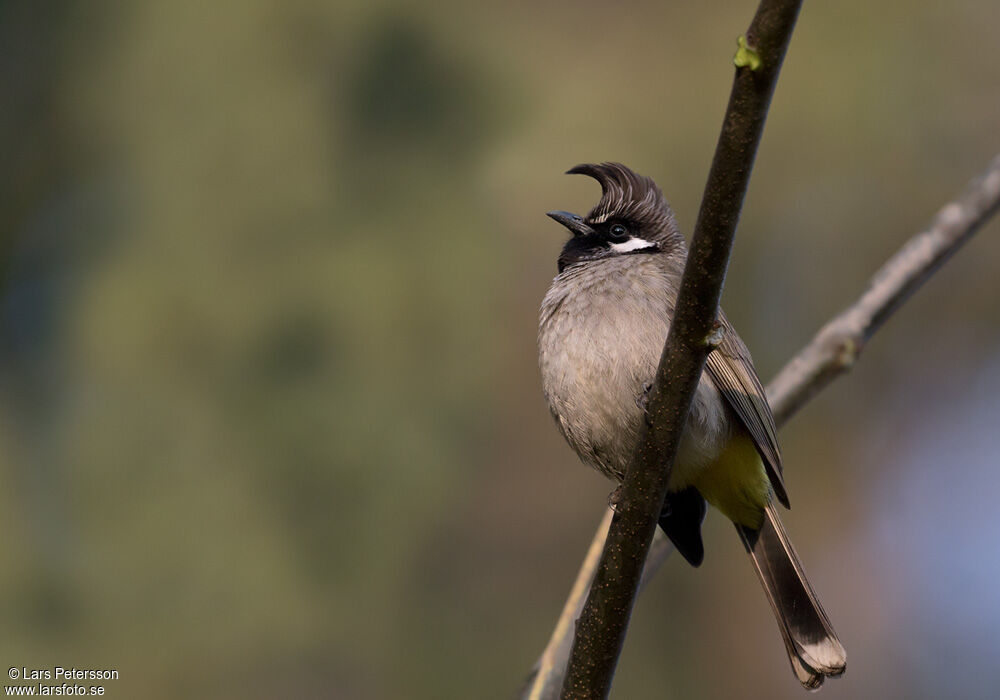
column 831, row 353
column 601, row 627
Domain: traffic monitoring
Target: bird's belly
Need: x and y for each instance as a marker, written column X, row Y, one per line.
column 595, row 363
column 705, row 436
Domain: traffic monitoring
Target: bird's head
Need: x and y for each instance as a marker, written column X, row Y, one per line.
column 632, row 217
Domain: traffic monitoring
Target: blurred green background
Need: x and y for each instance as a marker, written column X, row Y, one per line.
column 270, row 417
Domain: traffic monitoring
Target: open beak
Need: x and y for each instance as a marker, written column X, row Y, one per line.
column 574, row 222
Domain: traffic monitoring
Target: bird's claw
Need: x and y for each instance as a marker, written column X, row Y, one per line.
column 642, row 400
column 614, row 498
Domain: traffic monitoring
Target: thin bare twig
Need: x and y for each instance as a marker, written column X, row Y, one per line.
column 839, row 343
column 831, row 353
column 601, row 627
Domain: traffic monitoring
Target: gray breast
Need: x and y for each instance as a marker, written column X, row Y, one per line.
column 601, row 332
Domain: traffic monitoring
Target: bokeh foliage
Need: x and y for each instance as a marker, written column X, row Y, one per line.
column 270, row 418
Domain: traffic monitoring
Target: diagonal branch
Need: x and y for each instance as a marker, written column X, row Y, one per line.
column 831, row 353
column 601, row 627
column 839, row 343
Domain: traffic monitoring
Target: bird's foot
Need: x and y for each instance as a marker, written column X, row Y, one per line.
column 643, row 399
column 614, row 498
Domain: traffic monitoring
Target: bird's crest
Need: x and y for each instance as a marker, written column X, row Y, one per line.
column 625, row 194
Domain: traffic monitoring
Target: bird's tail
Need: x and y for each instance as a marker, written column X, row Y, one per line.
column 813, row 647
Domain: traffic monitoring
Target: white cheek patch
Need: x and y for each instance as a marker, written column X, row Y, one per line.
column 632, row 244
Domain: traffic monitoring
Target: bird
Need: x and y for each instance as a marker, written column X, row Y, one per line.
column 602, row 327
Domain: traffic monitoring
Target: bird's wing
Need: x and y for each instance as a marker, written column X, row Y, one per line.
column 731, row 368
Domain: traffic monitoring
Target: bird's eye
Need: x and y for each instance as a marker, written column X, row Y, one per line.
column 618, row 232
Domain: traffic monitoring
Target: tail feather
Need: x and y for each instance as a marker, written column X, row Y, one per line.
column 812, row 645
